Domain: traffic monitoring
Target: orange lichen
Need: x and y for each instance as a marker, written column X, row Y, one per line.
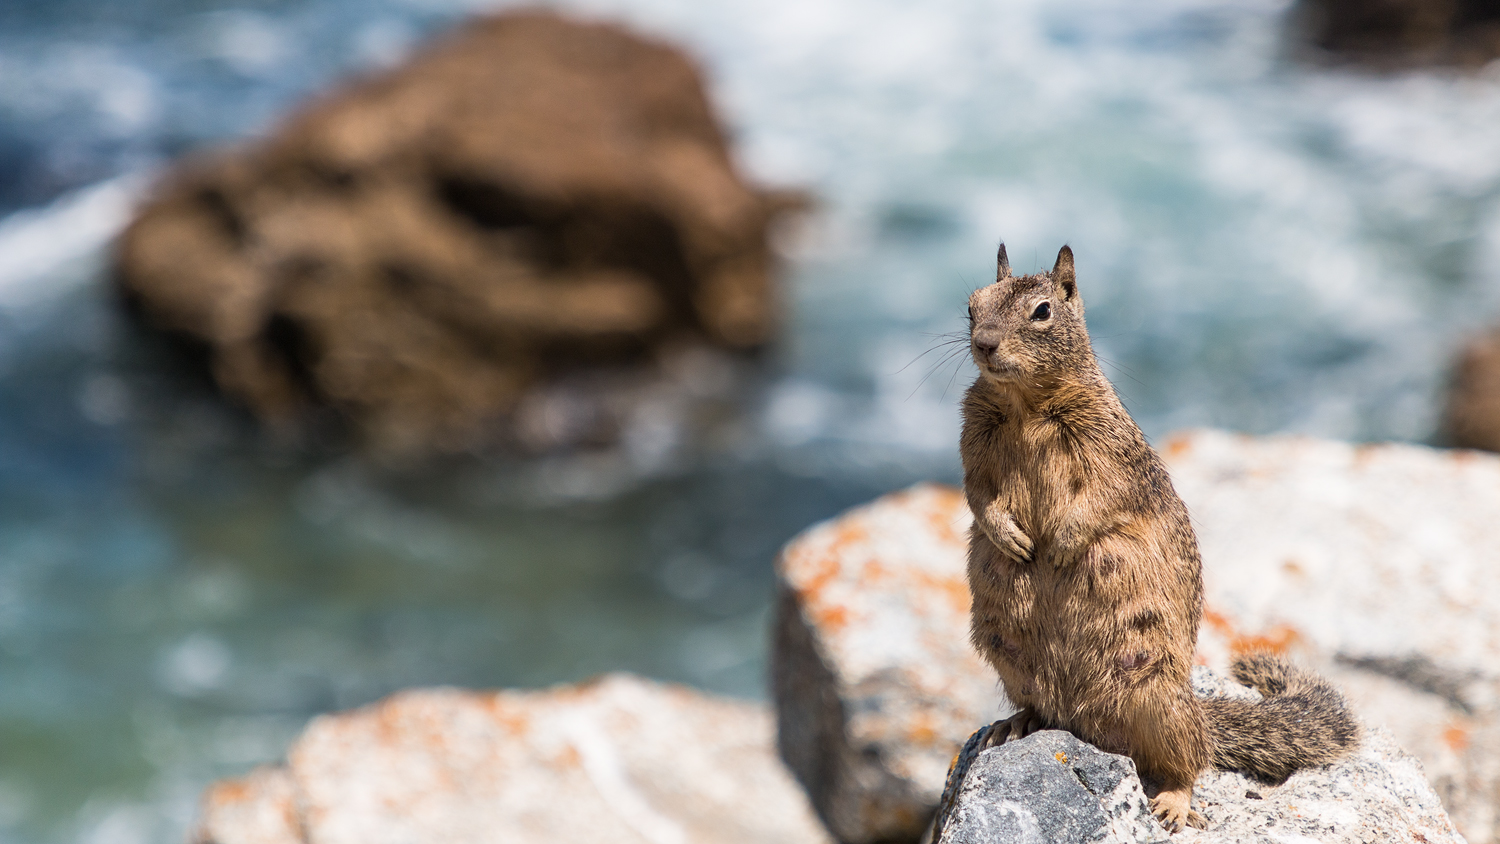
column 824, row 571
column 568, row 758
column 954, row 589
column 1178, row 446
column 1061, row 757
column 921, row 730
column 511, row 719
column 948, row 505
column 231, row 791
column 1456, row 737
column 830, row 616
column 850, row 532
column 1277, row 639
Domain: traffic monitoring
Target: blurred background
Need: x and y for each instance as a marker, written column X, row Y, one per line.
column 1266, row 242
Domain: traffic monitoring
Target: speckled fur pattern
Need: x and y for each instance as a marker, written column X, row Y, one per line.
column 1083, row 566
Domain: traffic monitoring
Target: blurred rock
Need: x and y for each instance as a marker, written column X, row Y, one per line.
column 875, row 683
column 1394, row 33
column 1473, row 412
column 620, row 760
column 420, row 249
column 1373, row 563
column 1051, row 787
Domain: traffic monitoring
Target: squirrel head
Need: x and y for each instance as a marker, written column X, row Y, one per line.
column 1028, row 330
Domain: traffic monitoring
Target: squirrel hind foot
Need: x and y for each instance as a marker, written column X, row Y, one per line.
column 1173, row 808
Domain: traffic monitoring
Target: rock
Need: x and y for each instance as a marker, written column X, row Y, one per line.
column 1472, row 418
column 1375, row 561
column 420, row 249
column 1393, row 33
column 260, row 808
column 620, row 759
column 874, row 680
column 1051, row 787
column 1372, row 563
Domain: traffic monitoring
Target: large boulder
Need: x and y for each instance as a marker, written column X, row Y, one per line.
column 421, row 248
column 1373, row 563
column 1377, row 561
column 1472, row 418
column 619, row 760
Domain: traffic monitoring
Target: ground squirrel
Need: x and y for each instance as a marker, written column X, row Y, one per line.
column 1086, row 582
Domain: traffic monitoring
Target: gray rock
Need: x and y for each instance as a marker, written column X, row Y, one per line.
column 1050, row 788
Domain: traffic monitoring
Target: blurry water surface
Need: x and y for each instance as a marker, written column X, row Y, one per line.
column 1262, row 247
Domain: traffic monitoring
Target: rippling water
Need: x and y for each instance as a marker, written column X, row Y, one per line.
column 1262, row 246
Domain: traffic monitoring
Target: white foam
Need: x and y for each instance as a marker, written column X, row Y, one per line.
column 39, row 246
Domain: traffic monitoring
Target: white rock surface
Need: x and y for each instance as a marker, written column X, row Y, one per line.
column 1365, row 551
column 1379, row 562
column 618, row 760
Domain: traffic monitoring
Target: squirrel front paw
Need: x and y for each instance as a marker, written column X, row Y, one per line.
column 1014, row 728
column 1011, row 540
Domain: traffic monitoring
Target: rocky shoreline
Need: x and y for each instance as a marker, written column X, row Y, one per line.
column 1369, row 562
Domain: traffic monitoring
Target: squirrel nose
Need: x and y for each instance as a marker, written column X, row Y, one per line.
column 986, row 342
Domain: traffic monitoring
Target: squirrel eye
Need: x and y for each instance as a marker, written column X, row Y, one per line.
column 1043, row 311
column 971, row 313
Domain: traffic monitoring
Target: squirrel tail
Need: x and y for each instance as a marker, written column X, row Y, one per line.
column 1303, row 721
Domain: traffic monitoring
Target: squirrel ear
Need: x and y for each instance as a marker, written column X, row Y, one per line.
column 1062, row 273
column 1002, row 263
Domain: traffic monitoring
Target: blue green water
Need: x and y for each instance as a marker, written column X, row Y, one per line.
column 1262, row 246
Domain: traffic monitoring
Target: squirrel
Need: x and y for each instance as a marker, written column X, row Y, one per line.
column 1084, row 571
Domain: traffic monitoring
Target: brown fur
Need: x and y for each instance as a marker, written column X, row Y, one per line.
column 1084, row 569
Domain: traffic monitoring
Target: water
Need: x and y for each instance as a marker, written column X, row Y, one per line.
column 1262, row 247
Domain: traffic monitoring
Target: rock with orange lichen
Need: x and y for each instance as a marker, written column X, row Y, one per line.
column 1379, row 563
column 259, row 808
column 1374, row 563
column 876, row 685
column 619, row 760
